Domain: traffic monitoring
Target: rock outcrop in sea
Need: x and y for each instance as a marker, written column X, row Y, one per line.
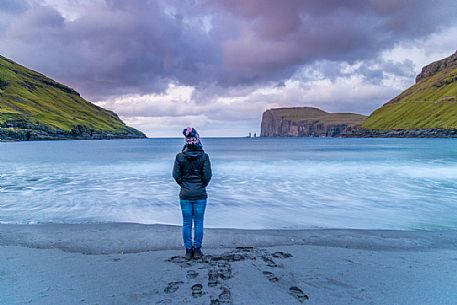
column 307, row 122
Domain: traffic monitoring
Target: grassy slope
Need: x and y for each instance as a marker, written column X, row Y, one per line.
column 300, row 114
column 29, row 95
column 430, row 103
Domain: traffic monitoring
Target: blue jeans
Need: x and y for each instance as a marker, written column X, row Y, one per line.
column 192, row 210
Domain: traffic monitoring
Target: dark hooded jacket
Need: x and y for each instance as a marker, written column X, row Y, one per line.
column 192, row 171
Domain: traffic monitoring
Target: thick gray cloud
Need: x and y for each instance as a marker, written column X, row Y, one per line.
column 277, row 36
column 230, row 59
column 118, row 46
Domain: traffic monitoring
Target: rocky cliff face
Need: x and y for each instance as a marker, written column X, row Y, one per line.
column 437, row 66
column 307, row 122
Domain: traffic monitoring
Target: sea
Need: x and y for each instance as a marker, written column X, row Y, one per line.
column 258, row 183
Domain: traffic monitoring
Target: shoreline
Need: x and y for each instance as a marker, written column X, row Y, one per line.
column 107, row 238
column 127, row 263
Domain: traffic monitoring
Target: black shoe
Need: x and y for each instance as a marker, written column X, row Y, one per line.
column 198, row 253
column 189, row 254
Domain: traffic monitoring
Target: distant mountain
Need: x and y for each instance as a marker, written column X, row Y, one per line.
column 307, row 122
column 35, row 107
column 426, row 109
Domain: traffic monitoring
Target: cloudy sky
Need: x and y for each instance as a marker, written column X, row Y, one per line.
column 217, row 65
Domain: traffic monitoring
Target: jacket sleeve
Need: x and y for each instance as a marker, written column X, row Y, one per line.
column 177, row 172
column 207, row 174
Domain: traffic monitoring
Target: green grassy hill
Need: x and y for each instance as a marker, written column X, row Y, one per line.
column 33, row 106
column 431, row 103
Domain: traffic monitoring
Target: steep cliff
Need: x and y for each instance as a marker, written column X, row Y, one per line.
column 35, row 107
column 437, row 66
column 428, row 108
column 307, row 122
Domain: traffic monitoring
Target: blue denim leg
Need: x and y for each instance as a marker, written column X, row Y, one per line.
column 199, row 213
column 186, row 209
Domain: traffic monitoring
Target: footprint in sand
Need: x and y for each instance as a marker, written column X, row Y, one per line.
column 269, row 261
column 270, row 276
column 197, row 290
column 232, row 257
column 225, row 297
column 181, row 261
column 245, row 249
column 212, row 277
column 298, row 293
column 177, row 259
column 281, row 254
column 191, row 274
column 224, row 271
column 226, row 257
column 172, row 287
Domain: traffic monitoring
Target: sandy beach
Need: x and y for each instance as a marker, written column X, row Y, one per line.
column 143, row 264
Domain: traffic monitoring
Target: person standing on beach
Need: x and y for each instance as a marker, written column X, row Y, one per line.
column 192, row 171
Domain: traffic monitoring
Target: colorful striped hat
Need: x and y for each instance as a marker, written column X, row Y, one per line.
column 192, row 136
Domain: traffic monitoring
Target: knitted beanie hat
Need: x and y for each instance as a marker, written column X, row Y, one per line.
column 192, row 136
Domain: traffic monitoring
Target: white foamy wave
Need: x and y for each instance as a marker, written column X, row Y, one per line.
column 312, row 183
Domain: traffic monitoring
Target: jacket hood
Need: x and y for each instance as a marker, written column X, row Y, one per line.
column 192, row 152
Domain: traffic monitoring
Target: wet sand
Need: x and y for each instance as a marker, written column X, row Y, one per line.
column 143, row 264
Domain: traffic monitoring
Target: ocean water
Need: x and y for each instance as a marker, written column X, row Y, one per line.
column 257, row 183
